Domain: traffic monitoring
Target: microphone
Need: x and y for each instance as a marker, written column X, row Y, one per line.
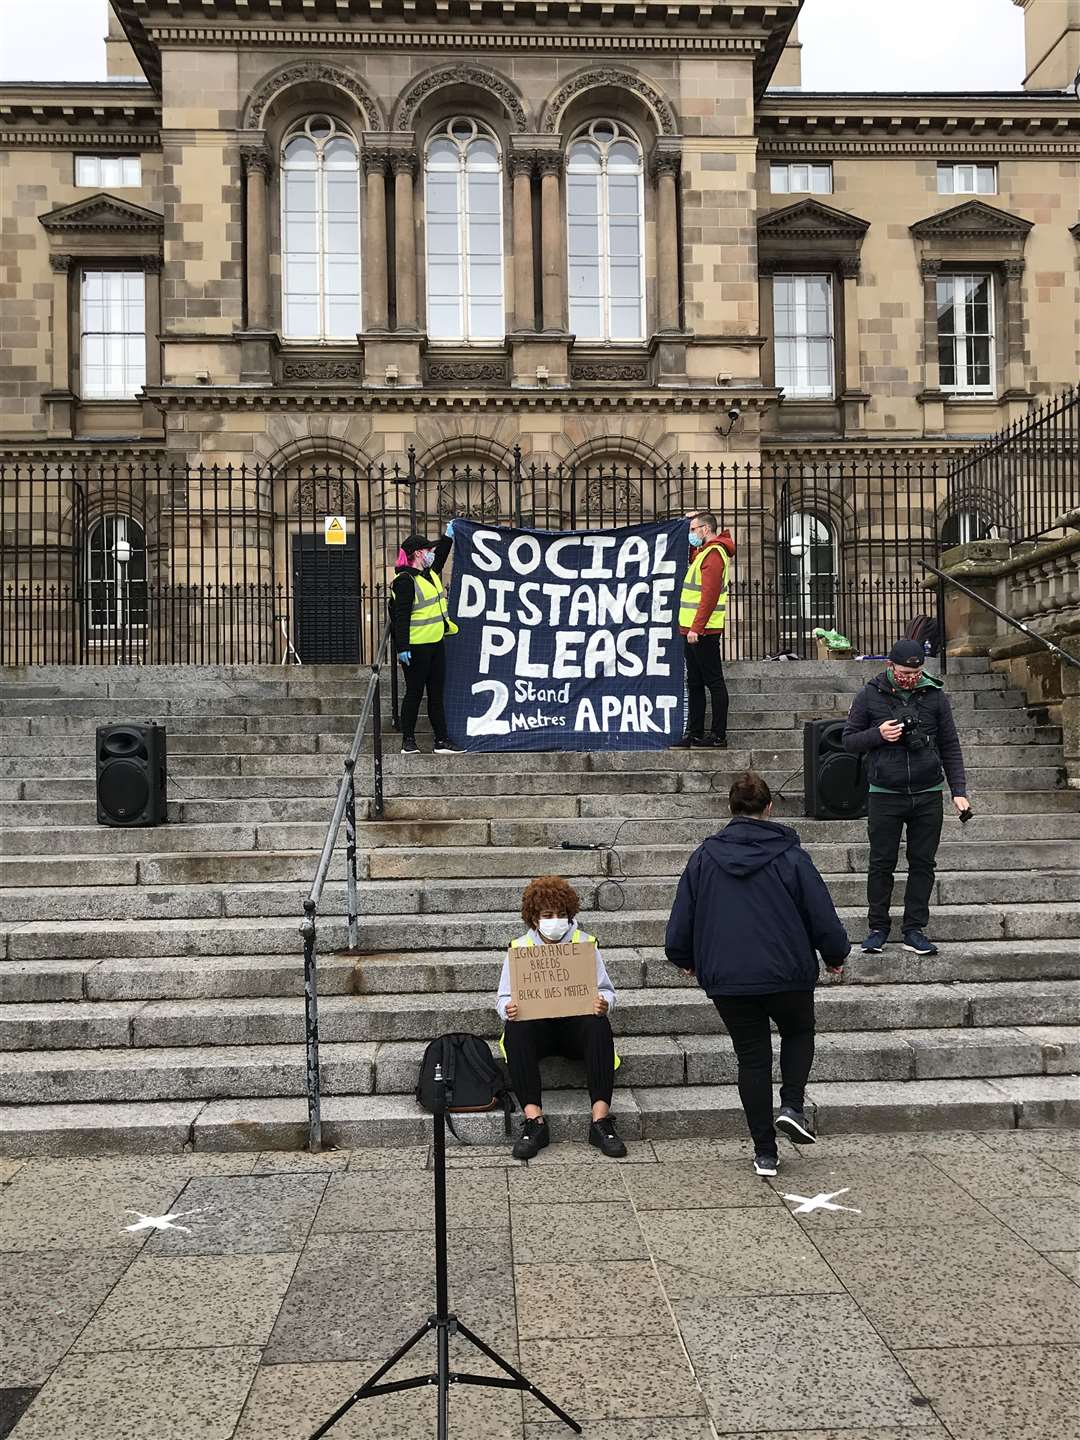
column 570, row 845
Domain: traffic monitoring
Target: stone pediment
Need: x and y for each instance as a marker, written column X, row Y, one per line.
column 103, row 213
column 813, row 221
column 974, row 220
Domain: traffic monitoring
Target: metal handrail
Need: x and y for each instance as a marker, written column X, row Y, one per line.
column 1001, row 615
column 344, row 809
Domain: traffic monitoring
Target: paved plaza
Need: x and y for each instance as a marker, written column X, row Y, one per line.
column 915, row 1287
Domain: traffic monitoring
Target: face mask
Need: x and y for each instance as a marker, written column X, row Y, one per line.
column 905, row 682
column 695, row 539
column 553, row 929
column 426, row 559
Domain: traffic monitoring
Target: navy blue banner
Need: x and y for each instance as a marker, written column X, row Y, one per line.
column 568, row 639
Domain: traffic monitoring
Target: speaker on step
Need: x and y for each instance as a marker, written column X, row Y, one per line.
column 834, row 783
column 132, row 784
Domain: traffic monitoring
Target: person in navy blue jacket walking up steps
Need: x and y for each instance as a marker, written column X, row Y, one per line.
column 751, row 916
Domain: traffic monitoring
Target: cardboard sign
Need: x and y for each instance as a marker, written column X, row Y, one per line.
column 334, row 531
column 549, row 981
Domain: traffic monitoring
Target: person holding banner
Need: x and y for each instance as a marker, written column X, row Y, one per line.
column 549, row 907
column 702, row 617
column 421, row 621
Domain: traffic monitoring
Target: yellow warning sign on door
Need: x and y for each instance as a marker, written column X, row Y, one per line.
column 334, row 532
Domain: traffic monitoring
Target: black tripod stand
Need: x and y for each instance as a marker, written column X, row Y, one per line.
column 444, row 1325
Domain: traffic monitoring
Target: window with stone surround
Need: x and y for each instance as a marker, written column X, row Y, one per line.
column 967, row 179
column 803, row 335
column 605, row 206
column 108, row 172
column 320, row 229
column 463, row 188
column 800, row 179
column 965, row 325
column 113, row 334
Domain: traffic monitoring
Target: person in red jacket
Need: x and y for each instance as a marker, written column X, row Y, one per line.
column 702, row 616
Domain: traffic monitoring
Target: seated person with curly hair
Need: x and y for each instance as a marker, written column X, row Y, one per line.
column 548, row 907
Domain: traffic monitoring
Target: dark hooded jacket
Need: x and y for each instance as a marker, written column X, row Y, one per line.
column 896, row 765
column 750, row 912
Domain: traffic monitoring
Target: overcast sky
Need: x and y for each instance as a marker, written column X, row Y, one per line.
column 847, row 44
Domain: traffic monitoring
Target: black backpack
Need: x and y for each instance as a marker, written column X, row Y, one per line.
column 474, row 1082
column 922, row 628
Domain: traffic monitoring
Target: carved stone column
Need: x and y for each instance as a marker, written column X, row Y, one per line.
column 403, row 163
column 931, row 398
column 376, row 311
column 1014, row 330
column 59, row 399
column 152, row 266
column 257, row 168
column 665, row 169
column 552, row 240
column 522, row 165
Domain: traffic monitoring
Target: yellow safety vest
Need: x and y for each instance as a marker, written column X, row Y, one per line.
column 430, row 619
column 690, row 598
column 578, row 937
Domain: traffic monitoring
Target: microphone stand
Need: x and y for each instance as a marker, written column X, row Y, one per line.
column 444, row 1323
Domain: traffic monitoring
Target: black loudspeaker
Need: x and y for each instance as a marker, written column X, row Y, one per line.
column 132, row 786
column 834, row 782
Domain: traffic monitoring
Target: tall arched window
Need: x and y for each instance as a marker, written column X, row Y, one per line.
column 808, row 579
column 966, row 526
column 320, row 232
column 605, row 212
column 464, row 227
column 116, row 574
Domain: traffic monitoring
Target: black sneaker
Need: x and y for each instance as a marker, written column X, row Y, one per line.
column 446, row 747
column 534, row 1137
column 686, row 743
column 410, row 747
column 875, row 942
column 795, row 1126
column 719, row 742
column 605, row 1137
column 766, row 1165
column 918, row 944
column 704, row 742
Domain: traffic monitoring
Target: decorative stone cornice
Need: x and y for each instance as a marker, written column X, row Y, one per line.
column 409, row 104
column 311, row 72
column 974, row 220
column 810, row 231
column 599, row 76
column 965, row 115
column 103, row 213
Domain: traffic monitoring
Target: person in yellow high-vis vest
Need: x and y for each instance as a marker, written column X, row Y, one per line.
column 549, row 907
column 702, row 617
column 421, row 621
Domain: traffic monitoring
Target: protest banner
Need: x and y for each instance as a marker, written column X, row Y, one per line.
column 568, row 639
column 550, row 981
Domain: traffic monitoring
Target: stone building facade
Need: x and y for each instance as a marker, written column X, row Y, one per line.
column 590, row 231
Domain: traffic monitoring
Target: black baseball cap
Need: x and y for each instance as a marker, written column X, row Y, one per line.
column 412, row 543
column 908, row 653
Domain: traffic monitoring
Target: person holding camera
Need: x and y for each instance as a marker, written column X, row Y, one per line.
column 903, row 722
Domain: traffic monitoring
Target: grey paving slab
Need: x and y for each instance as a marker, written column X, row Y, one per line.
column 714, row 1185
column 9, row 1169
column 569, row 1184
column 874, row 1432
column 243, row 1215
column 892, row 1191
column 1049, row 1222
column 1024, row 1392
column 299, row 1162
column 733, row 1252
column 481, row 1157
column 353, row 1294
column 653, row 1379
column 992, row 1176
column 802, row 1361
column 705, row 1149
column 575, row 1232
column 1066, row 1162
column 147, row 1169
column 1067, row 1261
column 1034, row 1138
column 949, row 1284
column 288, row 1402
column 79, row 1213
column 167, row 1395
column 665, row 1427
column 368, row 1200
column 46, row 1298
column 608, row 1299
column 168, row 1302
column 388, row 1157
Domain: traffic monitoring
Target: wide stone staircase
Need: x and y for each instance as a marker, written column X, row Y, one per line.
column 151, row 979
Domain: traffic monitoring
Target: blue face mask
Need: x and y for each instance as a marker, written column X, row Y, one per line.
column 695, row 539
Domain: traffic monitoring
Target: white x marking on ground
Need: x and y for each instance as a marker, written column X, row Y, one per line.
column 160, row 1222
column 807, row 1205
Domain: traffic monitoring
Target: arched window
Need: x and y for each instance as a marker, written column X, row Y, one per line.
column 320, row 232
column 808, row 579
column 965, row 526
column 605, row 211
column 116, row 574
column 464, row 226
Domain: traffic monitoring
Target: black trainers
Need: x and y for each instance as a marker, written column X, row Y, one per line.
column 719, row 742
column 705, row 742
column 605, row 1137
column 534, row 1137
column 446, row 747
column 875, row 942
column 795, row 1126
column 766, row 1165
column 686, row 743
column 918, row 944
column 409, row 746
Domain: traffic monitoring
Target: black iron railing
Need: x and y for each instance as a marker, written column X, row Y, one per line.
column 1063, row 655
column 344, row 811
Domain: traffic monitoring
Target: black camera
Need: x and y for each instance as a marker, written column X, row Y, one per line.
column 911, row 735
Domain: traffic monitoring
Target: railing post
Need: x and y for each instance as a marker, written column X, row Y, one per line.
column 350, row 849
column 378, row 803
column 311, row 1030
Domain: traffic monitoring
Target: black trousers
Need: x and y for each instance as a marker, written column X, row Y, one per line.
column 889, row 814
column 747, row 1019
column 705, row 671
column 578, row 1037
column 426, row 670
